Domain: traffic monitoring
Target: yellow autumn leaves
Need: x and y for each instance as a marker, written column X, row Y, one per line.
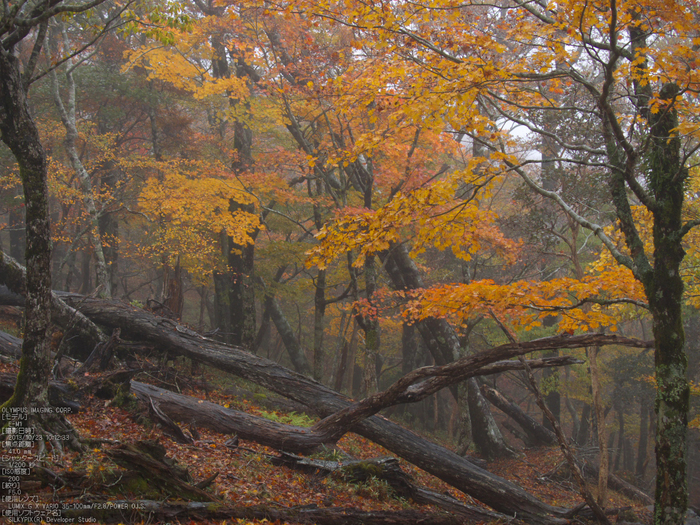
column 188, row 207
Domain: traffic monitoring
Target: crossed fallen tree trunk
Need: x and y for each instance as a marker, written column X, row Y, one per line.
column 455, row 470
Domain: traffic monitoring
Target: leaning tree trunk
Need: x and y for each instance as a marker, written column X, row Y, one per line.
column 442, row 342
column 442, row 463
column 536, row 434
column 20, row 134
column 291, row 343
column 487, row 437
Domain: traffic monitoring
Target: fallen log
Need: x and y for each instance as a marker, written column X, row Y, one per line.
column 388, row 470
column 10, row 345
column 148, row 460
column 82, row 333
column 164, row 512
column 496, row 492
column 59, row 394
column 224, row 420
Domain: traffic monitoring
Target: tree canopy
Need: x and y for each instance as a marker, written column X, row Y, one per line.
column 354, row 172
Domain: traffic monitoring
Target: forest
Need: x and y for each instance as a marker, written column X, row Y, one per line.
column 443, row 233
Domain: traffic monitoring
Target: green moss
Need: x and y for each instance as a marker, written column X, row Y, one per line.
column 123, row 398
column 361, row 471
column 292, row 418
column 137, row 486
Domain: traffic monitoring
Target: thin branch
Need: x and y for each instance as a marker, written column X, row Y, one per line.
column 623, row 259
column 36, row 52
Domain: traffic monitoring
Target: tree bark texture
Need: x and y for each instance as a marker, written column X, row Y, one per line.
column 487, row 436
column 536, row 433
column 664, row 291
column 15, row 221
column 20, row 134
column 441, row 340
column 67, row 112
column 159, row 512
column 444, row 464
column 289, row 338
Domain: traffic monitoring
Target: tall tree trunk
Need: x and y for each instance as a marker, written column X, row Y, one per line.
column 573, row 414
column 552, row 397
column 222, row 314
column 592, row 354
column 67, row 112
column 240, row 284
column 22, row 137
column 371, row 328
column 173, row 296
column 109, row 230
column 664, row 290
column 442, row 342
column 291, row 343
column 235, row 289
column 487, row 436
column 20, row 134
column 262, row 339
column 620, row 440
column 85, row 276
column 319, row 314
column 18, row 243
column 409, row 355
column 584, row 427
column 643, row 444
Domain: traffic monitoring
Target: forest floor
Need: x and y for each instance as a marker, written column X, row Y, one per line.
column 246, row 476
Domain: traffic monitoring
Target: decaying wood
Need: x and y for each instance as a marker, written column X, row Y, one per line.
column 261, row 433
column 535, row 433
column 11, row 314
column 162, row 512
column 168, row 425
column 140, row 461
column 389, row 470
column 627, row 489
column 101, row 355
column 10, row 345
column 147, row 458
column 444, row 464
column 228, row 421
column 10, row 298
column 78, row 329
column 59, row 394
